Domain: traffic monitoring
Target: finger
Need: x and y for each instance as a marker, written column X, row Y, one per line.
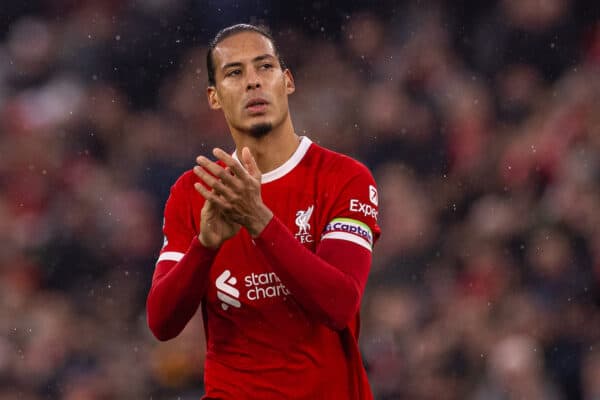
column 224, row 174
column 212, row 197
column 207, row 178
column 214, row 183
column 250, row 163
column 231, row 162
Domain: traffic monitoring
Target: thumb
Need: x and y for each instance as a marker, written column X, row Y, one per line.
column 250, row 164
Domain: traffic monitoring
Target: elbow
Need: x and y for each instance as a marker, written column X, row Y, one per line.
column 158, row 332
column 346, row 311
column 160, row 329
column 155, row 326
column 341, row 321
column 157, row 323
column 337, row 325
column 163, row 337
column 165, row 318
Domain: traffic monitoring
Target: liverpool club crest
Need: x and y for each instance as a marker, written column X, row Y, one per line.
column 303, row 223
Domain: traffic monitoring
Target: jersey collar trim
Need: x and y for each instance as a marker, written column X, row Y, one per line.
column 287, row 166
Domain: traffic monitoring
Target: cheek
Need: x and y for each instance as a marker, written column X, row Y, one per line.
column 228, row 102
column 284, row 96
column 281, row 93
column 227, row 90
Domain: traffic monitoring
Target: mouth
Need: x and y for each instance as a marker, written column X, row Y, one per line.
column 257, row 105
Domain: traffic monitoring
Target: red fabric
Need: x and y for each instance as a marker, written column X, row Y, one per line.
column 281, row 311
column 177, row 289
column 329, row 283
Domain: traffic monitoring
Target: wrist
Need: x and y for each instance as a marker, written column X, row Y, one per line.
column 262, row 219
column 208, row 245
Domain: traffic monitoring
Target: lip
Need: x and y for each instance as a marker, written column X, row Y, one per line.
column 256, row 105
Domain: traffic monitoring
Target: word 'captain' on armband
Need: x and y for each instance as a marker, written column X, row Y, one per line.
column 365, row 209
column 351, row 230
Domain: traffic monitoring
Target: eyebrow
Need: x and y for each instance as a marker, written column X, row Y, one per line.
column 255, row 59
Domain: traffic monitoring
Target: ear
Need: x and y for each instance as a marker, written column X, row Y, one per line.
column 213, row 98
column 290, row 86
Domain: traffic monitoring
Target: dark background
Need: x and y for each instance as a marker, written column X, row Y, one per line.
column 479, row 121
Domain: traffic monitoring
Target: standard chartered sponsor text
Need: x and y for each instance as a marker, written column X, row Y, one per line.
column 265, row 285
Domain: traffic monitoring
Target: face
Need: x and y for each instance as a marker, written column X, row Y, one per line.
column 250, row 86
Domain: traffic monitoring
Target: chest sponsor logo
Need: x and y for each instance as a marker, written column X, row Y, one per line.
column 303, row 224
column 373, row 196
column 365, row 209
column 258, row 286
column 226, row 291
column 265, row 285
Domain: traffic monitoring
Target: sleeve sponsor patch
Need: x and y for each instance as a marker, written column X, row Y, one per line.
column 373, row 195
column 363, row 208
column 350, row 230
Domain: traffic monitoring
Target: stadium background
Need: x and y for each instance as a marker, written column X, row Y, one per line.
column 480, row 121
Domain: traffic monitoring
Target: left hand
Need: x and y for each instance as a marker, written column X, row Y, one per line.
column 235, row 189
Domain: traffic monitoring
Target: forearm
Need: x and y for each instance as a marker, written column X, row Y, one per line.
column 177, row 290
column 324, row 290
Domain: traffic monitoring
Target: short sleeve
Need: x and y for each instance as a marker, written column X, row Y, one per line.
column 178, row 229
column 354, row 213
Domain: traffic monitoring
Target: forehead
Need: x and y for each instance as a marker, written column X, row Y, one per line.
column 242, row 47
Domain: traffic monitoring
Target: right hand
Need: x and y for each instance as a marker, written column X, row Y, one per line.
column 215, row 229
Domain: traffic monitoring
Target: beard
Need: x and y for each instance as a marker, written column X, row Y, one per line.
column 259, row 130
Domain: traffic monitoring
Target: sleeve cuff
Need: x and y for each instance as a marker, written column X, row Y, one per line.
column 270, row 233
column 198, row 249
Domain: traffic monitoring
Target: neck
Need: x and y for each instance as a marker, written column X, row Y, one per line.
column 271, row 150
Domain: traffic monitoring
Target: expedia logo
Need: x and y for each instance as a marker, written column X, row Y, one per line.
column 365, row 209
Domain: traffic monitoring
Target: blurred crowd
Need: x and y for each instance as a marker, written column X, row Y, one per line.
column 481, row 124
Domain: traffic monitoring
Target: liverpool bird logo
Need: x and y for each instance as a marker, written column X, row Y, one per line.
column 302, row 222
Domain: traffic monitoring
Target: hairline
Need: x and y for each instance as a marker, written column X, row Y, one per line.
column 234, row 30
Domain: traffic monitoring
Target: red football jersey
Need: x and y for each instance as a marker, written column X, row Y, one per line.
column 261, row 342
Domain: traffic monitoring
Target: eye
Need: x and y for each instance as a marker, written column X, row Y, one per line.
column 266, row 66
column 233, row 72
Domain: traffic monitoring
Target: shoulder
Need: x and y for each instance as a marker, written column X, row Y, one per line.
column 183, row 189
column 185, row 181
column 349, row 181
column 337, row 165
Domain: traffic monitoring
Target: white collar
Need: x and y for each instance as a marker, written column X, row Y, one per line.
column 287, row 166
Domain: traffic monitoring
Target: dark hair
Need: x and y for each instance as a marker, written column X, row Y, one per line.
column 232, row 30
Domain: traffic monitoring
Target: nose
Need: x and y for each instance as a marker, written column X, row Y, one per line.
column 253, row 81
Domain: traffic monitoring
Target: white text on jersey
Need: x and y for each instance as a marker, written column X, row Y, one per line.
column 366, row 209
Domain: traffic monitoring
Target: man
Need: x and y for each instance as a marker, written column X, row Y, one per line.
column 274, row 242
